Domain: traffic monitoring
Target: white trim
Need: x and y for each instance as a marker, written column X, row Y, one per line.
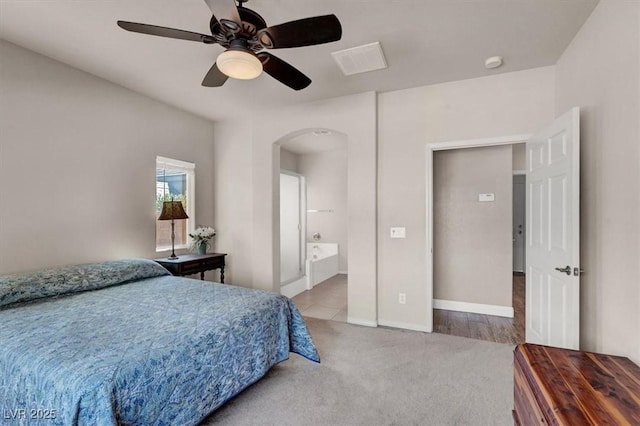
column 172, row 163
column 439, row 146
column 358, row 321
column 475, row 308
column 404, row 325
column 294, row 288
column 519, row 172
column 473, row 143
column 343, row 272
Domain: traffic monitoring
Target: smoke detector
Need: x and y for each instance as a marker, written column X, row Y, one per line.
column 493, row 62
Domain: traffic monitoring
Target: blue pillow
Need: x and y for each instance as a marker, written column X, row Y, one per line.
column 24, row 287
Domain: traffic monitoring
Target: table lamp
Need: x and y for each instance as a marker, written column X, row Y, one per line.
column 172, row 210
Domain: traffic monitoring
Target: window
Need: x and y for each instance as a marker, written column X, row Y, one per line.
column 175, row 180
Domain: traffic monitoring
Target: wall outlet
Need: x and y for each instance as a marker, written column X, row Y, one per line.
column 402, row 298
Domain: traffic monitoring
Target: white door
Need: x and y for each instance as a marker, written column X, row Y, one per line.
column 553, row 231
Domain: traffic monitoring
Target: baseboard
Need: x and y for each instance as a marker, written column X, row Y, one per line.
column 343, row 272
column 475, row 308
column 358, row 321
column 404, row 325
column 293, row 289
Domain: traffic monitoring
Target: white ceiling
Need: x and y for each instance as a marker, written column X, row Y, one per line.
column 424, row 42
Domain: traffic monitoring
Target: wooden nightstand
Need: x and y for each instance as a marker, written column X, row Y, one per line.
column 188, row 264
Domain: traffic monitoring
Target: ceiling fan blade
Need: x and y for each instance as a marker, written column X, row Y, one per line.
column 283, row 72
column 302, row 32
column 164, row 32
column 214, row 78
column 226, row 12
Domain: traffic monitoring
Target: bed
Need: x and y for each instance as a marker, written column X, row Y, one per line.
column 124, row 342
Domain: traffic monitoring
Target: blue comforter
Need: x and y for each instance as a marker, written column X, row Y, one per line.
column 153, row 351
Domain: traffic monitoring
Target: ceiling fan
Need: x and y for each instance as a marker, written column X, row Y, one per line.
column 245, row 35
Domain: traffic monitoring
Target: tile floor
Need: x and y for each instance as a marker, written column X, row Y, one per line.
column 327, row 300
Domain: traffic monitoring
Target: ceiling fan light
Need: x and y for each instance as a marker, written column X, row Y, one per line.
column 239, row 64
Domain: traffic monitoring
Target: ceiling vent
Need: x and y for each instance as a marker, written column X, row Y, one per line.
column 356, row 60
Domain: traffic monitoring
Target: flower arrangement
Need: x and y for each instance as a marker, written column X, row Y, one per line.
column 201, row 237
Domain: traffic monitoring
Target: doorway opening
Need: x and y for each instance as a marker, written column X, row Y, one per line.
column 552, row 229
column 478, row 287
column 519, row 159
column 314, row 234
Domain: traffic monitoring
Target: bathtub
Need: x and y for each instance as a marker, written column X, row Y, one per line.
column 322, row 262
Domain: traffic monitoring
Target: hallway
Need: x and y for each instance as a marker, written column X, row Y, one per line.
column 486, row 327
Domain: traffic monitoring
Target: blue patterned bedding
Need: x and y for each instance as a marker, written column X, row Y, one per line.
column 156, row 350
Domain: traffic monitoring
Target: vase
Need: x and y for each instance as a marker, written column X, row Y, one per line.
column 202, row 247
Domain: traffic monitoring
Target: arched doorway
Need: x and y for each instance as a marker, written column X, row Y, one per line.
column 313, row 240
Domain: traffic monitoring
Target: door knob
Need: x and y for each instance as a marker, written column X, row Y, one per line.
column 566, row 270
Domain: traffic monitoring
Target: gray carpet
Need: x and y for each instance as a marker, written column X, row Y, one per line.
column 380, row 376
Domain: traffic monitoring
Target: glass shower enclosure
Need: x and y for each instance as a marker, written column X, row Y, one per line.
column 293, row 212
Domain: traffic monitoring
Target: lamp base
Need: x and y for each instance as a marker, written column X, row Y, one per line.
column 173, row 239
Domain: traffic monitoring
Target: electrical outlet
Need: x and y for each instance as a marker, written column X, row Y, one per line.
column 402, row 298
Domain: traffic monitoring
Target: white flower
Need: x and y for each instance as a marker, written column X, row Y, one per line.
column 203, row 233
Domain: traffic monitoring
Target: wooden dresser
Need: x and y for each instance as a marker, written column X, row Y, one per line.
column 563, row 387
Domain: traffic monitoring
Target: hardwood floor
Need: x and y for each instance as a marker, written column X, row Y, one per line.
column 486, row 327
column 328, row 300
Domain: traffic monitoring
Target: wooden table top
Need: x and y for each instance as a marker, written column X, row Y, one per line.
column 582, row 388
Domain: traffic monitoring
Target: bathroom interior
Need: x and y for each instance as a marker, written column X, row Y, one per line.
column 313, row 223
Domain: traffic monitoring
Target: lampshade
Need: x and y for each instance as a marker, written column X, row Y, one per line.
column 172, row 210
column 239, row 63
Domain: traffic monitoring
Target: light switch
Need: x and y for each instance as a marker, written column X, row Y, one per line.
column 398, row 232
column 483, row 198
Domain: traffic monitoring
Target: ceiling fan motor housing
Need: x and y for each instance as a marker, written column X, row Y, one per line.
column 225, row 30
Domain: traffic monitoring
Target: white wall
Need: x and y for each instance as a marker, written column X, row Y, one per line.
column 247, row 165
column 505, row 104
column 327, row 183
column 77, row 162
column 600, row 72
column 288, row 160
column 247, row 159
column 472, row 248
column 233, row 207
